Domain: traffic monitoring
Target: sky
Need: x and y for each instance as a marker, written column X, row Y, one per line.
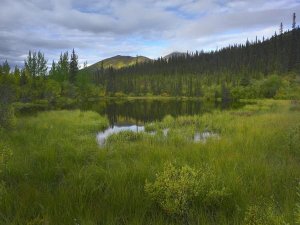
column 99, row 29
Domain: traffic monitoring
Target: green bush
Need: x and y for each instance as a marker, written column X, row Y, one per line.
column 176, row 189
column 167, row 121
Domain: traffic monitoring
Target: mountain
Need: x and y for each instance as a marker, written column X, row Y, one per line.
column 118, row 62
column 174, row 54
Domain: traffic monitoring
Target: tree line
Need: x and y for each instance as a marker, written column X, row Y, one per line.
column 192, row 74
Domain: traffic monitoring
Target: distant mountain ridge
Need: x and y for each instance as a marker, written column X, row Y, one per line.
column 174, row 54
column 118, row 62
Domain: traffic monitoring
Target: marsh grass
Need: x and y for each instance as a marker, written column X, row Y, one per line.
column 57, row 174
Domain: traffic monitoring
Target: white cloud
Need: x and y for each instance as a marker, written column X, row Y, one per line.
column 99, row 29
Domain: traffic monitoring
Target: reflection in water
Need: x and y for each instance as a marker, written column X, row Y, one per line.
column 124, row 112
column 102, row 136
column 202, row 137
column 136, row 111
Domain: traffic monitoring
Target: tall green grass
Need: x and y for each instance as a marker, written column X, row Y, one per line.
column 57, row 174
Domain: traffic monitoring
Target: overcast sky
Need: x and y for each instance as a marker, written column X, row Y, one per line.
column 98, row 29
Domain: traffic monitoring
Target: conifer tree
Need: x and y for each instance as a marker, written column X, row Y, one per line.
column 294, row 21
column 73, row 67
column 62, row 67
column 36, row 64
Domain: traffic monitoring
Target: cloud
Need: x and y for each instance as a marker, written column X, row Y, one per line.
column 99, row 29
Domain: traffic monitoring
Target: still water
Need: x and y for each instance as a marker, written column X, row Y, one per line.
column 138, row 112
column 131, row 115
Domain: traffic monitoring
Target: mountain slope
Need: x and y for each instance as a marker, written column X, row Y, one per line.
column 174, row 54
column 118, row 62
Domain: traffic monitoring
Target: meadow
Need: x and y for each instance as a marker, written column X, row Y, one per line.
column 53, row 171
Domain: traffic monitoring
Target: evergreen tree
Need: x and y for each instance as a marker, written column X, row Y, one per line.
column 53, row 71
column 41, row 65
column 5, row 68
column 294, row 21
column 36, row 64
column 63, row 67
column 30, row 64
column 73, row 67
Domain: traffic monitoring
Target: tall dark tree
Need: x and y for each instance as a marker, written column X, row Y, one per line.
column 41, row 65
column 73, row 67
column 281, row 29
column 53, row 70
column 294, row 21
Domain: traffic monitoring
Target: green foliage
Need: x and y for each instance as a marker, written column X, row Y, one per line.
column 36, row 64
column 73, row 67
column 168, row 121
column 176, row 189
column 5, row 155
column 263, row 215
column 7, row 116
column 270, row 86
column 297, row 212
column 293, row 139
column 124, row 137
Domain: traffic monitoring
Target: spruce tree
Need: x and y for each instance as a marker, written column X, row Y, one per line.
column 73, row 67
column 62, row 67
column 294, row 21
column 36, row 64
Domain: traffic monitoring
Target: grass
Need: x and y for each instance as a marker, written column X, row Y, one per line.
column 53, row 172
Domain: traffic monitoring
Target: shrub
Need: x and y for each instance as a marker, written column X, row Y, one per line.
column 167, row 121
column 176, row 189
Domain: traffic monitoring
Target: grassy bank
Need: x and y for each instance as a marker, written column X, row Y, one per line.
column 53, row 172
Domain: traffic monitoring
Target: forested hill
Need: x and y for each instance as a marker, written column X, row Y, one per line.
column 185, row 74
column 117, row 62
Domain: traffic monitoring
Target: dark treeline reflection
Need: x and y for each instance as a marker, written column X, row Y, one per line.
column 141, row 111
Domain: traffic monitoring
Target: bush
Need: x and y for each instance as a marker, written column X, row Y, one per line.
column 167, row 121
column 176, row 189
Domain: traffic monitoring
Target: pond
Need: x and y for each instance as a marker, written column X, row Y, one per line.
column 131, row 115
column 124, row 112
